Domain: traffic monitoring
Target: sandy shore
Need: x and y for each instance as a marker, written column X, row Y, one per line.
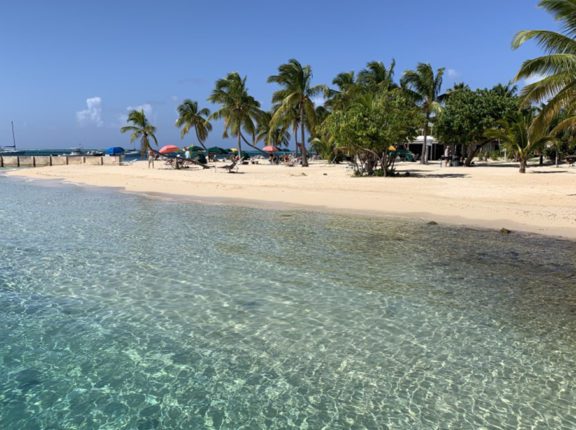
column 493, row 196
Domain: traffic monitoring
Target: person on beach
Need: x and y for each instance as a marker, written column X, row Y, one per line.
column 151, row 158
column 187, row 154
column 447, row 155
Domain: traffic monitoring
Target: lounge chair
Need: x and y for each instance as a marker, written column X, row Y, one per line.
column 231, row 168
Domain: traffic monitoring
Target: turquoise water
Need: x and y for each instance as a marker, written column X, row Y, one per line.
column 127, row 312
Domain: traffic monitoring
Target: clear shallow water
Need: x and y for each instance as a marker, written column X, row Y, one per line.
column 124, row 312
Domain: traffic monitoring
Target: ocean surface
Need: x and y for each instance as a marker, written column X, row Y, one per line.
column 120, row 311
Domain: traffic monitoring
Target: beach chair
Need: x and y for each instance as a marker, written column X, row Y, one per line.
column 192, row 162
column 231, row 168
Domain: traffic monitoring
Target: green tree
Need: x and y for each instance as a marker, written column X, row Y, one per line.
column 140, row 129
column 520, row 135
column 276, row 136
column 369, row 126
column 239, row 110
column 557, row 67
column 293, row 103
column 347, row 88
column 190, row 117
column 468, row 114
column 424, row 87
column 376, row 76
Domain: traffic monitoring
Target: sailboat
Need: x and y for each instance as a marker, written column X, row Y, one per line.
column 10, row 148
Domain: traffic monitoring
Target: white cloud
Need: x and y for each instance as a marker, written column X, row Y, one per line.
column 92, row 114
column 174, row 98
column 146, row 108
column 534, row 78
column 452, row 73
column 318, row 100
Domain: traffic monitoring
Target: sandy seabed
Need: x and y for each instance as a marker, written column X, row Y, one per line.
column 491, row 195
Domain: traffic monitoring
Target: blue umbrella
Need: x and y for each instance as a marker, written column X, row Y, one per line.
column 114, row 150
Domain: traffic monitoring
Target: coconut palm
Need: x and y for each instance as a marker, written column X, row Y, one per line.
column 376, row 76
column 347, row 88
column 424, row 87
column 521, row 136
column 293, row 102
column 275, row 136
column 239, row 110
column 190, row 117
column 140, row 129
column 557, row 67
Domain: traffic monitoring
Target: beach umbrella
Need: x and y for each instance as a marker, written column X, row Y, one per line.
column 193, row 148
column 167, row 149
column 217, row 150
column 114, row 150
column 270, row 148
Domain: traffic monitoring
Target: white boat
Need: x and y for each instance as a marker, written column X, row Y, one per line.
column 11, row 148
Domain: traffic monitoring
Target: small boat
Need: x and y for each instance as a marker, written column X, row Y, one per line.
column 76, row 151
column 95, row 153
column 10, row 148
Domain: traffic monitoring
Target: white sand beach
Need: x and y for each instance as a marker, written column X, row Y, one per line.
column 494, row 195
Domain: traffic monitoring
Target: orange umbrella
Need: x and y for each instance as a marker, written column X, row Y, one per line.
column 167, row 149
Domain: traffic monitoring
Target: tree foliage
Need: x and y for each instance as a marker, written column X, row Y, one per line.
column 369, row 126
column 191, row 117
column 424, row 87
column 239, row 110
column 141, row 129
column 293, row 102
column 557, row 67
column 520, row 135
column 468, row 114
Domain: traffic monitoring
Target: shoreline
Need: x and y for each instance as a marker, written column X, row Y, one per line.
column 494, row 196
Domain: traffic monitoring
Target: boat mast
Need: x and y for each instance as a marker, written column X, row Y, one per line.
column 13, row 136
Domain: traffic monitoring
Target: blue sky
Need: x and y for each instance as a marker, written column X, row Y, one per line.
column 70, row 70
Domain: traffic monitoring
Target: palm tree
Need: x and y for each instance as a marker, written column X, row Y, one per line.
column 275, row 136
column 141, row 129
column 461, row 86
column 521, row 136
column 293, row 102
column 557, row 67
column 347, row 88
column 239, row 110
column 424, row 87
column 190, row 117
column 376, row 76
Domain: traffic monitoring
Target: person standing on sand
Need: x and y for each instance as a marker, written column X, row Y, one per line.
column 151, row 158
column 447, row 155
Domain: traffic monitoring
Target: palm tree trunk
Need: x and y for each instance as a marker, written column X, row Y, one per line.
column 424, row 158
column 557, row 161
column 304, row 151
column 239, row 146
column 296, row 148
column 523, row 164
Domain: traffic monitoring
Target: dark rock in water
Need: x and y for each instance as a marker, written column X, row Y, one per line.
column 432, row 223
column 505, row 231
column 28, row 378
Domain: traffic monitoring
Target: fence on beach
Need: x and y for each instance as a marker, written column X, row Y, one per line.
column 58, row 160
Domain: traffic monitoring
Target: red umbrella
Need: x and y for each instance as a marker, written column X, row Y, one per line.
column 167, row 149
column 270, row 148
